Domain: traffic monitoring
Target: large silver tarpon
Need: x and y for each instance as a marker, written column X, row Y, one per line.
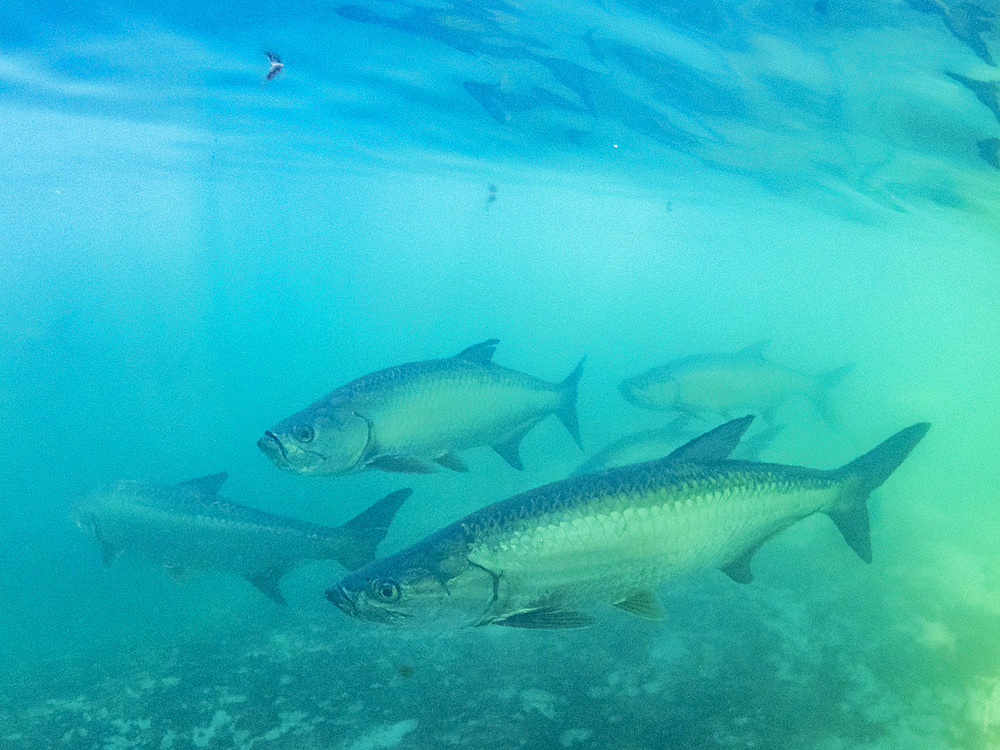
column 539, row 559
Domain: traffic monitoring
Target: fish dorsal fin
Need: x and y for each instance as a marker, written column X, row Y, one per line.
column 266, row 581
column 545, row 618
column 642, row 603
column 754, row 351
column 481, row 353
column 714, row 445
column 209, row 485
column 510, row 448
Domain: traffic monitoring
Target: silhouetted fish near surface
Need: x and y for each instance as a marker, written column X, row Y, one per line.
column 652, row 444
column 189, row 526
column 987, row 92
column 966, row 21
column 539, row 559
column 721, row 384
column 410, row 417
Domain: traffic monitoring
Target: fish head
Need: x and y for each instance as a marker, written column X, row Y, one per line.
column 328, row 438
column 86, row 512
column 417, row 587
column 651, row 390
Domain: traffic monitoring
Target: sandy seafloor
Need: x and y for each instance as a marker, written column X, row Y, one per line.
column 768, row 668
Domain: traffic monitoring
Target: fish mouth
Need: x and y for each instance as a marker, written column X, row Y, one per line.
column 342, row 600
column 271, row 447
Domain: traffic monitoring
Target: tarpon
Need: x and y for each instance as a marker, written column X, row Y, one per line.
column 724, row 384
column 410, row 417
column 651, row 444
column 190, row 526
column 541, row 558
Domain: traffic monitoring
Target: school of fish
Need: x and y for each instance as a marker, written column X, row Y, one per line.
column 650, row 508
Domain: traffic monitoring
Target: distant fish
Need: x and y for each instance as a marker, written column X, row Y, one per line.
column 276, row 65
column 189, row 526
column 724, row 384
column 652, row 444
column 966, row 21
column 987, row 92
column 415, row 416
column 542, row 558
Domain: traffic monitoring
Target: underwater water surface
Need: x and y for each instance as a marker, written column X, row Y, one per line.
column 192, row 253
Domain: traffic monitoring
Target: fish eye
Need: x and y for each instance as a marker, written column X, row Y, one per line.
column 385, row 591
column 303, row 433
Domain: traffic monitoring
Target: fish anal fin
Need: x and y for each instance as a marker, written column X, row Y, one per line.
column 714, row 445
column 739, row 569
column 545, row 618
column 481, row 353
column 400, row 464
column 510, row 448
column 209, row 485
column 642, row 603
column 266, row 581
column 451, row 461
column 108, row 553
column 852, row 522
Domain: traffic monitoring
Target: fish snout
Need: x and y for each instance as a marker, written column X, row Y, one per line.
column 271, row 446
column 342, row 600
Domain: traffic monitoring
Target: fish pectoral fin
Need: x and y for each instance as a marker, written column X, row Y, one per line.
column 739, row 569
column 510, row 448
column 451, row 461
column 481, row 353
column 266, row 581
column 209, row 485
column 545, row 618
column 402, row 464
column 642, row 603
column 714, row 445
column 108, row 553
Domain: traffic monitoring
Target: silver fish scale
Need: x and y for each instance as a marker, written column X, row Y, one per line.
column 424, row 408
column 600, row 536
column 174, row 502
column 418, row 373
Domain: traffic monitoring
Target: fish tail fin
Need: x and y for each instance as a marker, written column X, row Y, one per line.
column 566, row 411
column 862, row 476
column 825, row 382
column 365, row 531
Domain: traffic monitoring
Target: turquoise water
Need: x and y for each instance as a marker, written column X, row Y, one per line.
column 191, row 254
